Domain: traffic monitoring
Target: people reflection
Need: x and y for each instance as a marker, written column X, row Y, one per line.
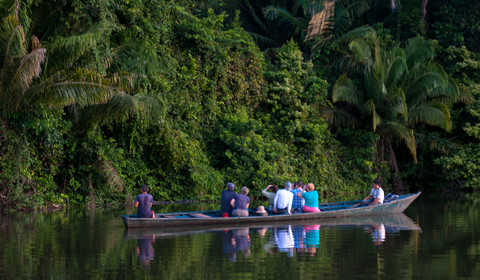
column 284, row 240
column 145, row 251
column 312, row 239
column 378, row 234
column 234, row 241
column 228, row 245
column 242, row 241
column 262, row 231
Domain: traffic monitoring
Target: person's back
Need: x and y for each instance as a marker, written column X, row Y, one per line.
column 240, row 203
column 143, row 202
column 227, row 196
column 283, row 201
column 297, row 202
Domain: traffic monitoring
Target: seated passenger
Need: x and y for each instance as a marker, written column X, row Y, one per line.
column 144, row 202
column 227, row 196
column 311, row 198
column 282, row 204
column 376, row 195
column 270, row 195
column 240, row 203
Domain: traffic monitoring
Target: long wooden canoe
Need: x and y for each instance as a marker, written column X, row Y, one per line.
column 214, row 218
column 398, row 222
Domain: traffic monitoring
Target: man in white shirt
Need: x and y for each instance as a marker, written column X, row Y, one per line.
column 376, row 195
column 283, row 201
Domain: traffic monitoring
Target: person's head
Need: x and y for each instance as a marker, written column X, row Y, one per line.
column 144, row 188
column 299, row 185
column 244, row 191
column 230, row 186
column 288, row 186
column 310, row 187
column 274, row 188
column 376, row 184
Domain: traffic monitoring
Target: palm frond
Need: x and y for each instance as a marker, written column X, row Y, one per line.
column 114, row 180
column 65, row 51
column 423, row 84
column 345, row 90
column 434, row 114
column 418, row 50
column 338, row 117
column 120, row 108
column 362, row 53
column 29, row 67
column 285, row 16
column 395, row 71
column 321, row 24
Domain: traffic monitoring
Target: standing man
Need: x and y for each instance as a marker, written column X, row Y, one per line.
column 144, row 202
column 227, row 196
column 376, row 195
column 283, row 202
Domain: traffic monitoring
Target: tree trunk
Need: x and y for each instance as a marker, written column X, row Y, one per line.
column 424, row 14
column 424, row 9
column 393, row 160
column 91, row 203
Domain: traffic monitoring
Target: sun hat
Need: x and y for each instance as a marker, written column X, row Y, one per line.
column 261, row 210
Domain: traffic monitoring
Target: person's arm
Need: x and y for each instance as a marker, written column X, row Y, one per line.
column 264, row 191
column 275, row 203
column 289, row 206
column 377, row 200
column 299, row 194
column 232, row 202
column 136, row 204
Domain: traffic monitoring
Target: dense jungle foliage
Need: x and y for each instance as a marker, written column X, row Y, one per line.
column 100, row 97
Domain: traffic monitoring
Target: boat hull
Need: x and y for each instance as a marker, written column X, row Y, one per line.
column 213, row 218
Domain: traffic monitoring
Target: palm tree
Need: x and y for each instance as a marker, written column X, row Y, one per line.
column 395, row 91
column 34, row 77
column 331, row 19
column 21, row 84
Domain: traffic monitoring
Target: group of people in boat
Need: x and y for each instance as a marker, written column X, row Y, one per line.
column 290, row 199
column 293, row 198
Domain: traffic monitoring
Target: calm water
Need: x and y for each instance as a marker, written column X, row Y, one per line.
column 436, row 238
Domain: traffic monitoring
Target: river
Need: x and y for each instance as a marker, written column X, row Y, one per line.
column 438, row 237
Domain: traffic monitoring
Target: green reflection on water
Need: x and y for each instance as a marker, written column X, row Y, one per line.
column 78, row 244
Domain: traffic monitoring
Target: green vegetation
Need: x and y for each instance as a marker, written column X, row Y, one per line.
column 98, row 97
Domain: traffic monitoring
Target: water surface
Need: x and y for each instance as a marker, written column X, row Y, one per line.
column 436, row 238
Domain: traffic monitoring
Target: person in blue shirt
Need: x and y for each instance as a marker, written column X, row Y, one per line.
column 144, row 202
column 298, row 202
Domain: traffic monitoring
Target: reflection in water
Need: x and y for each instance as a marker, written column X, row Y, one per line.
column 378, row 234
column 145, row 251
column 284, row 239
column 301, row 240
column 236, row 240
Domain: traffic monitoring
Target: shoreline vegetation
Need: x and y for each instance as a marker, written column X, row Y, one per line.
column 97, row 99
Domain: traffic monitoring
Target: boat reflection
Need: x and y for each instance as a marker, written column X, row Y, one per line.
column 301, row 238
